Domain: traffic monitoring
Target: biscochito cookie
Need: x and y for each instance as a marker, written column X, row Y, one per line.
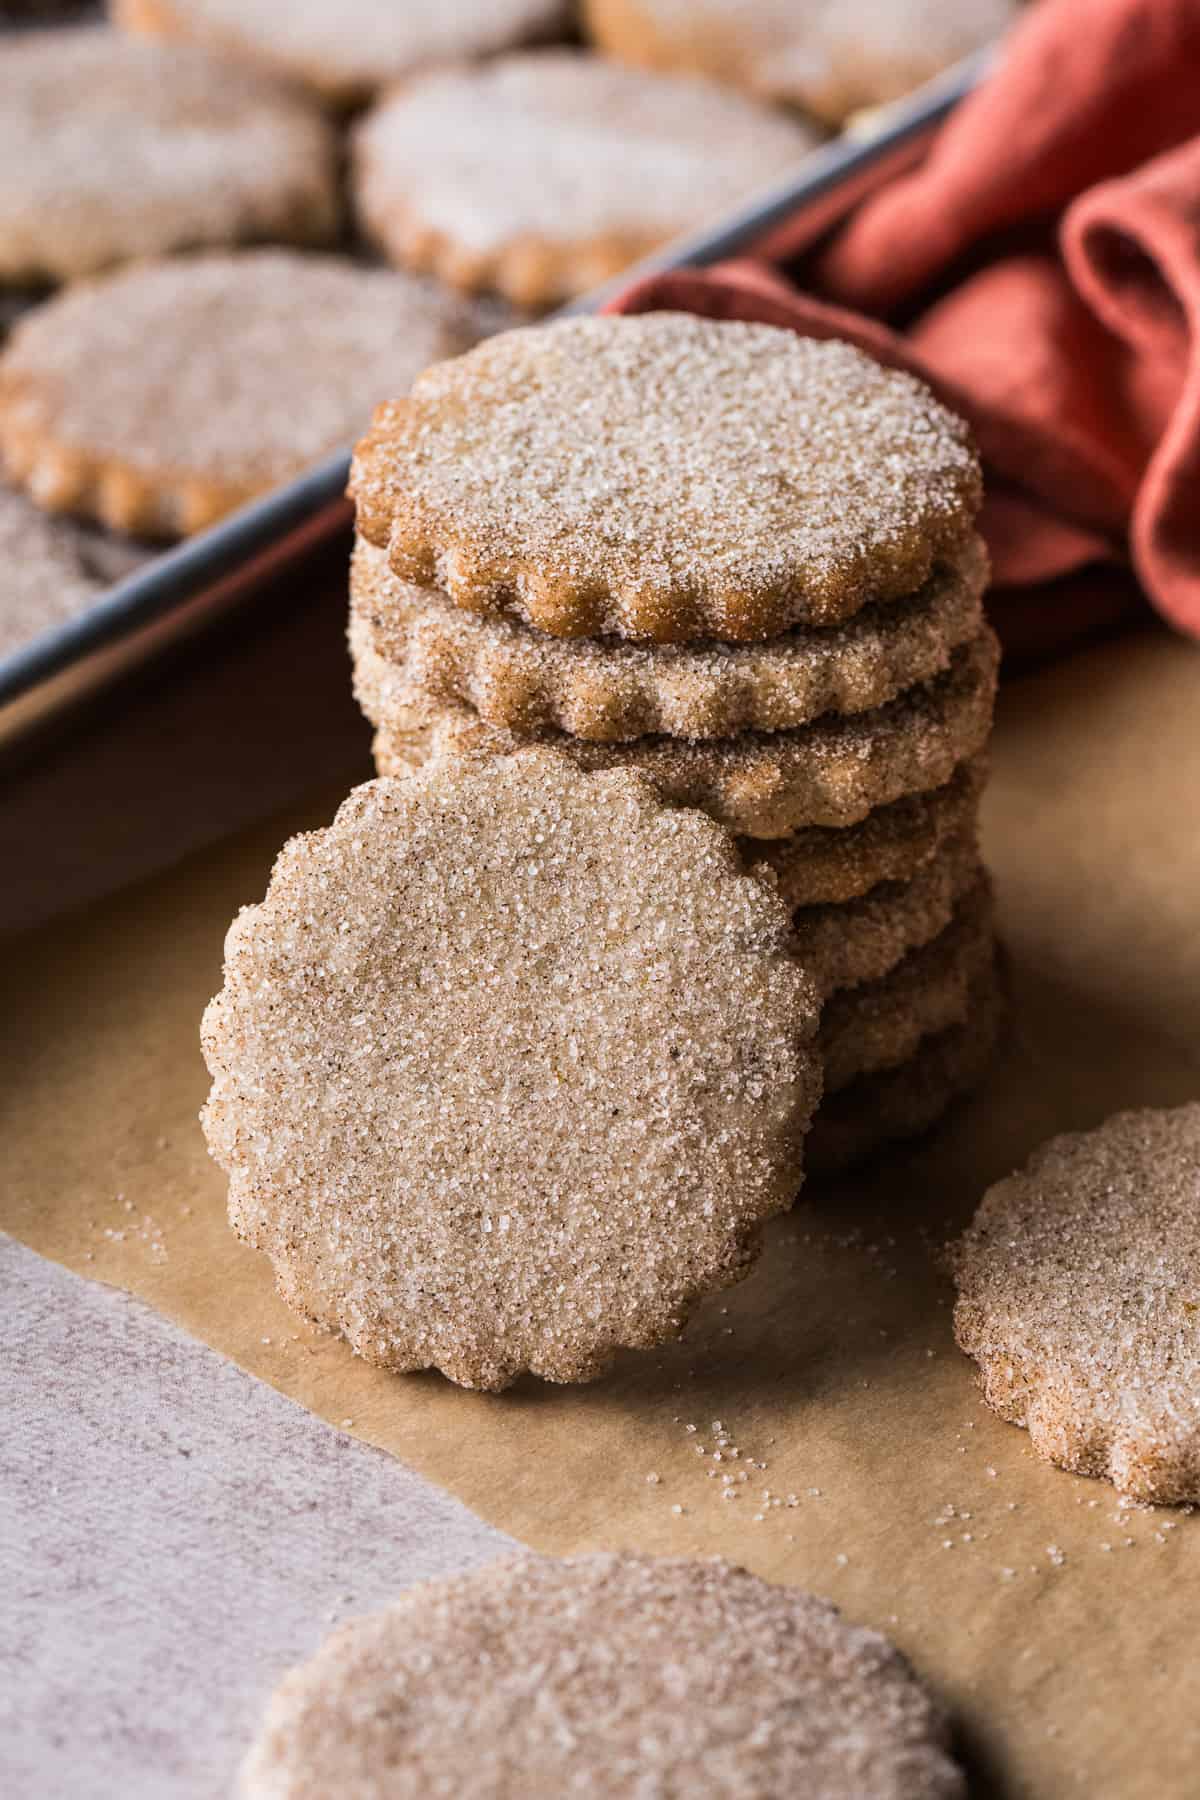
column 880, row 1024
column 111, row 150
column 1079, row 1297
column 46, row 580
column 349, row 51
column 666, row 477
column 108, row 391
column 823, row 867
column 874, row 1111
column 760, row 784
column 539, row 177
column 509, row 1067
column 654, row 1677
column 831, row 59
column 608, row 690
column 861, row 940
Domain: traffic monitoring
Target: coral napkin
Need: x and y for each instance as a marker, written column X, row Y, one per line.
column 1042, row 269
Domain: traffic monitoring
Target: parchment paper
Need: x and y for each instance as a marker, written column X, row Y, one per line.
column 1061, row 1628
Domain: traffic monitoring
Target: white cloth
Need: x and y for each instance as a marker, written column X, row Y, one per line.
column 173, row 1535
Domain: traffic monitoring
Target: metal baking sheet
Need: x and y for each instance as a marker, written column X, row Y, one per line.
column 182, row 590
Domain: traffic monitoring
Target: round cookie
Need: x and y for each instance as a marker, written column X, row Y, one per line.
column 822, row 867
column 862, row 940
column 862, row 1118
column 831, row 59
column 879, row 1024
column 509, row 1067
column 608, row 691
column 46, row 581
column 760, row 784
column 107, row 392
column 349, row 51
column 112, row 150
column 666, row 477
column 1079, row 1297
column 654, row 1676
column 540, row 177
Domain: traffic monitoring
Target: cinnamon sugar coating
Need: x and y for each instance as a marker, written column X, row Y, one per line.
column 861, row 1119
column 1079, row 1297
column 831, row 59
column 819, row 866
column 760, row 784
column 349, row 51
column 509, row 1067
column 610, row 690
column 621, row 1675
column 862, row 940
column 112, row 150
column 880, row 1024
column 107, row 391
column 542, row 176
column 666, row 477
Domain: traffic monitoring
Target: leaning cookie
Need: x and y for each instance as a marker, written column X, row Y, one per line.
column 527, row 681
column 654, row 1676
column 1079, row 1297
column 107, row 391
column 509, row 1067
column 832, row 772
column 112, row 150
column 347, row 52
column 539, row 177
column 668, row 478
column 831, row 59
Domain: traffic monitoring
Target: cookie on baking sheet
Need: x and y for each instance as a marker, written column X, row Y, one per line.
column 542, row 176
column 161, row 397
column 45, row 579
column 1079, row 1297
column 818, row 866
column 759, row 784
column 666, row 477
column 861, row 941
column 348, row 51
column 528, row 682
column 509, row 1067
column 831, row 59
column 880, row 1024
column 111, row 150
column 861, row 1119
column 617, row 1675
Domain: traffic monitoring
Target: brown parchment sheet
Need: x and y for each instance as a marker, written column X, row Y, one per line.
column 1062, row 1629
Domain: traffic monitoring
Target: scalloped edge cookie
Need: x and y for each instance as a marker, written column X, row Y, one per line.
column 541, row 176
column 510, row 1065
column 667, row 478
column 93, row 423
column 1081, row 1306
column 610, row 691
column 656, row 1676
column 359, row 72
column 761, row 785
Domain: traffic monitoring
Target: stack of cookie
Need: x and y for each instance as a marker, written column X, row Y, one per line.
column 745, row 563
